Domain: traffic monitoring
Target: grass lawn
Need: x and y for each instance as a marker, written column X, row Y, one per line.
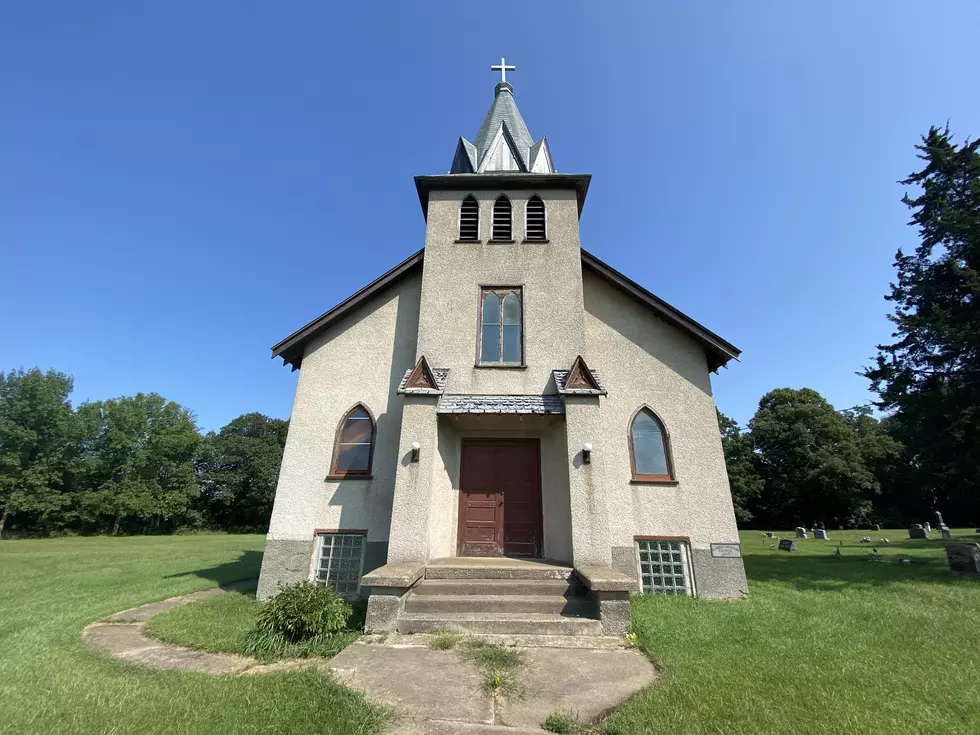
column 822, row 645
column 50, row 682
column 222, row 624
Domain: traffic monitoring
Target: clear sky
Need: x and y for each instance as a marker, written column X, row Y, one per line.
column 183, row 184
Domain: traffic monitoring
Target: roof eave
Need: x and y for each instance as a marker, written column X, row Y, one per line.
column 717, row 350
column 291, row 348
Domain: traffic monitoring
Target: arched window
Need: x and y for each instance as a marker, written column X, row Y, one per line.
column 650, row 448
column 535, row 227
column 354, row 447
column 502, row 225
column 469, row 219
column 501, row 336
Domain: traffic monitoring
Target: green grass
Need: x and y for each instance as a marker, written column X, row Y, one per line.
column 823, row 644
column 500, row 667
column 563, row 723
column 445, row 640
column 225, row 623
column 51, row 682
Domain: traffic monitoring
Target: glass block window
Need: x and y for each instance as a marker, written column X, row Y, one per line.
column 664, row 567
column 339, row 560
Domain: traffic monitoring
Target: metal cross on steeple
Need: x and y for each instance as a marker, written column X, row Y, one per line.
column 503, row 69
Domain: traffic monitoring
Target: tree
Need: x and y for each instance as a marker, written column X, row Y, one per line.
column 138, row 454
column 743, row 477
column 930, row 376
column 238, row 469
column 811, row 460
column 36, row 437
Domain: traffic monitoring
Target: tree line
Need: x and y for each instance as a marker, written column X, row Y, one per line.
column 138, row 464
column 135, row 464
column 799, row 460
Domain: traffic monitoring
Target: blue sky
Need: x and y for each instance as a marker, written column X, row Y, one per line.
column 183, row 184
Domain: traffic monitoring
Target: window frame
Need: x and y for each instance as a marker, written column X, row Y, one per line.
column 336, row 474
column 544, row 208
column 687, row 562
column 320, row 535
column 493, row 207
column 481, row 294
column 459, row 220
column 671, row 477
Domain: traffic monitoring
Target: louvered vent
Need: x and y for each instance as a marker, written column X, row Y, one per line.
column 501, row 219
column 469, row 219
column 535, row 219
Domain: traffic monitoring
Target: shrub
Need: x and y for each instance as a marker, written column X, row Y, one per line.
column 303, row 610
column 560, row 722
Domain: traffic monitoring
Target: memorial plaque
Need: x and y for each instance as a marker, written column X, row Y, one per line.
column 726, row 551
column 964, row 558
column 787, row 544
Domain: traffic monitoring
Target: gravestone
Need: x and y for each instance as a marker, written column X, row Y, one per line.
column 945, row 531
column 787, row 544
column 800, row 532
column 917, row 531
column 928, row 528
column 939, row 520
column 820, row 533
column 876, row 527
column 963, row 558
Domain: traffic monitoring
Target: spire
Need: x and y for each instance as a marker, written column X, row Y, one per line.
column 503, row 142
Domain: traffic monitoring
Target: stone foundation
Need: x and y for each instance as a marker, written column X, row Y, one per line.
column 285, row 561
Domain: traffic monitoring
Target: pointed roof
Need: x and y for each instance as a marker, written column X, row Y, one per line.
column 502, row 117
column 421, row 379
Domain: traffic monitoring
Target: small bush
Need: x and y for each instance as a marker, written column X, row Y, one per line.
column 560, row 722
column 303, row 610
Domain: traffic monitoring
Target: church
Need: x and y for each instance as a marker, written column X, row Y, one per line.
column 502, row 433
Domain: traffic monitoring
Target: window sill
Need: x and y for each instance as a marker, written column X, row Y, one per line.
column 653, row 481
column 467, row 242
column 501, row 365
column 501, row 242
column 535, row 242
column 348, row 477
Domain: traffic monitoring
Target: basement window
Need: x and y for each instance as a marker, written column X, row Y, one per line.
column 502, row 221
column 339, row 560
column 535, row 225
column 664, row 567
column 469, row 219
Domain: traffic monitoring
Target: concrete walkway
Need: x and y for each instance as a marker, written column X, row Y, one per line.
column 437, row 692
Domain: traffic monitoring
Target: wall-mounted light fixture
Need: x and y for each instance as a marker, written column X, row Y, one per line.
column 586, row 454
column 415, row 451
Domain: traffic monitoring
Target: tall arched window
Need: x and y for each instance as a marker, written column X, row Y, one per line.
column 535, row 226
column 502, row 223
column 650, row 448
column 469, row 219
column 354, row 448
column 501, row 336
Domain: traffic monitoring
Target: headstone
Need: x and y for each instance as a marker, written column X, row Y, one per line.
column 787, row 544
column 820, row 533
column 963, row 558
column 917, row 531
column 800, row 532
column 928, row 528
column 939, row 520
column 876, row 527
column 945, row 531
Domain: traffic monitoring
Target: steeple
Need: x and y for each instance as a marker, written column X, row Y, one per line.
column 503, row 142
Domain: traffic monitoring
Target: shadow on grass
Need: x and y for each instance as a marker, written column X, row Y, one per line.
column 831, row 573
column 245, row 567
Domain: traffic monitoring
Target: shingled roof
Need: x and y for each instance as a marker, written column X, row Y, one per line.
column 717, row 350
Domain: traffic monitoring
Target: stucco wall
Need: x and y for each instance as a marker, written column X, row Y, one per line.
column 361, row 359
column 645, row 361
column 550, row 274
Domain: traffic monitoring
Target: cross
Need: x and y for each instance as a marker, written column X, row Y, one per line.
column 503, row 69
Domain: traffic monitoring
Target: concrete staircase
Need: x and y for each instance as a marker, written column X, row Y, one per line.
column 499, row 597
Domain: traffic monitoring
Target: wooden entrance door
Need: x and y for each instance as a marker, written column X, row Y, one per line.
column 500, row 498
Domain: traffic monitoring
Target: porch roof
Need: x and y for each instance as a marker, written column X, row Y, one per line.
column 539, row 404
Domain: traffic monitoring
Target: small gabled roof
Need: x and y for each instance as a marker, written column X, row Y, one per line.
column 717, row 350
column 579, row 379
column 424, row 380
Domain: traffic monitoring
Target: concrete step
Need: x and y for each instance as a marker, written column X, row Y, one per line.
column 498, row 624
column 539, row 587
column 491, row 571
column 495, row 604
